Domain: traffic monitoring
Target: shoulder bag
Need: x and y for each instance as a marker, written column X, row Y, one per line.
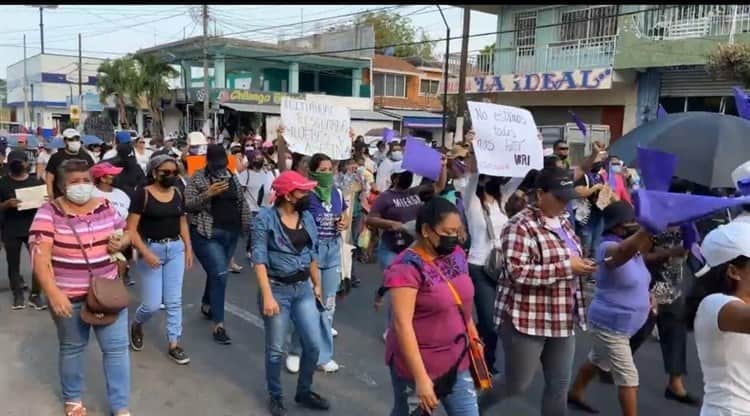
column 494, row 263
column 475, row 347
column 106, row 298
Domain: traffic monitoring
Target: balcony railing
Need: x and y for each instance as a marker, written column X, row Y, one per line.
column 693, row 21
column 477, row 63
column 580, row 53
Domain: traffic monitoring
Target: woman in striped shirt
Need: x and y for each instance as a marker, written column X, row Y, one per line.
column 63, row 273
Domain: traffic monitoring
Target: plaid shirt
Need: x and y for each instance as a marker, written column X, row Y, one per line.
column 198, row 204
column 536, row 287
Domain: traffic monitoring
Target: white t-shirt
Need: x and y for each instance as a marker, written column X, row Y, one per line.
column 724, row 361
column 109, row 154
column 253, row 181
column 143, row 159
column 120, row 200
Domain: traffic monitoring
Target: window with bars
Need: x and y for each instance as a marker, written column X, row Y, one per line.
column 591, row 22
column 429, row 86
column 525, row 29
column 390, row 85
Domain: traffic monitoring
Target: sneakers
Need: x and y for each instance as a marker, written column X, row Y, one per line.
column 37, row 302
column 334, row 332
column 136, row 336
column 292, row 363
column 177, row 354
column 313, row 401
column 234, row 268
column 329, row 367
column 276, row 407
column 221, row 337
column 18, row 301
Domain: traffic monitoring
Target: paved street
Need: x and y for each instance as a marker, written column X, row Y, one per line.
column 229, row 380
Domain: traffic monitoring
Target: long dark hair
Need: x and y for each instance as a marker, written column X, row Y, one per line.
column 715, row 281
column 492, row 186
column 316, row 160
column 434, row 212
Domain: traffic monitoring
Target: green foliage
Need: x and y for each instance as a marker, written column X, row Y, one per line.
column 731, row 62
column 116, row 79
column 393, row 29
column 488, row 49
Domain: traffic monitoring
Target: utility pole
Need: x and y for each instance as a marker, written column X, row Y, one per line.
column 445, row 72
column 80, row 81
column 41, row 26
column 461, row 104
column 25, row 87
column 205, row 64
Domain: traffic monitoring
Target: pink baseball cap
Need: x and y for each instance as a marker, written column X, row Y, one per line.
column 103, row 169
column 290, row 181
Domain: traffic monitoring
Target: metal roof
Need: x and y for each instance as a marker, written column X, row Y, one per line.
column 253, row 108
column 370, row 115
column 411, row 113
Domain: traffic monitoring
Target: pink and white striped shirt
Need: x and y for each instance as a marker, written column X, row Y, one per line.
column 68, row 263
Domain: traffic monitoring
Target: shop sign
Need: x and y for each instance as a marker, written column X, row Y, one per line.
column 575, row 80
column 240, row 96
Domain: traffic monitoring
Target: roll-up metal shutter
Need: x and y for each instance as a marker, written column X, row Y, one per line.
column 693, row 83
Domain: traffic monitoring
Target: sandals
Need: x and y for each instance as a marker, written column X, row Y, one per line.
column 75, row 409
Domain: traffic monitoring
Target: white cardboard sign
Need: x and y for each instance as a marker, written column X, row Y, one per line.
column 316, row 127
column 506, row 142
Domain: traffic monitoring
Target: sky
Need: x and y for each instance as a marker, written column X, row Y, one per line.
column 110, row 31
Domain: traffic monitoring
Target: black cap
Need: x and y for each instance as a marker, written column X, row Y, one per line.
column 558, row 182
column 617, row 213
column 17, row 155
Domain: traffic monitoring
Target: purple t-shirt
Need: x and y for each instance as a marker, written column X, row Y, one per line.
column 437, row 322
column 621, row 300
column 399, row 206
column 327, row 215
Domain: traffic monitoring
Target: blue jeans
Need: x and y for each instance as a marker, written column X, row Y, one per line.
column 296, row 305
column 214, row 255
column 462, row 401
column 385, row 255
column 592, row 234
column 163, row 283
column 73, row 336
column 329, row 255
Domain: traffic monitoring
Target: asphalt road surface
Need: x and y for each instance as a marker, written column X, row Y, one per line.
column 229, row 380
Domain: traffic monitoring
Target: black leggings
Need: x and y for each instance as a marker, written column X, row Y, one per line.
column 672, row 336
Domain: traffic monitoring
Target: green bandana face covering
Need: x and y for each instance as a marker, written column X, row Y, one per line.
column 325, row 185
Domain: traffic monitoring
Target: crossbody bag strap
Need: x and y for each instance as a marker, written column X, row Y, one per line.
column 78, row 238
column 488, row 220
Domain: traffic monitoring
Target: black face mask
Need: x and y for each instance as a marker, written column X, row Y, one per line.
column 596, row 167
column 257, row 164
column 446, row 245
column 16, row 167
column 302, row 204
column 167, row 181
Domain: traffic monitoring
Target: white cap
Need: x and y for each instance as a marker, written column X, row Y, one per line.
column 68, row 133
column 726, row 243
column 196, row 138
column 741, row 172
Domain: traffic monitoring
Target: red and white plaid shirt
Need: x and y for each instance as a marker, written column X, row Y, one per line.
column 536, row 287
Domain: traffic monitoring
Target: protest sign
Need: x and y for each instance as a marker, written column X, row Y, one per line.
column 316, row 127
column 506, row 141
column 421, row 159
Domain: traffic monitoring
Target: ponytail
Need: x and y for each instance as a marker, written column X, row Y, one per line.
column 714, row 281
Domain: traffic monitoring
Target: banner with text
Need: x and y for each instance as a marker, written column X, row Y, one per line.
column 576, row 80
column 506, row 141
column 315, row 127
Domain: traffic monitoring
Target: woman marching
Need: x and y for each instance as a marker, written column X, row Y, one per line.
column 159, row 229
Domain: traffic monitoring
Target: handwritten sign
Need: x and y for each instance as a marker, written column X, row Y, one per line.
column 506, row 141
column 316, row 127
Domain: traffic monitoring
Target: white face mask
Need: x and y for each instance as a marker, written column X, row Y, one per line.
column 397, row 156
column 79, row 193
column 74, row 146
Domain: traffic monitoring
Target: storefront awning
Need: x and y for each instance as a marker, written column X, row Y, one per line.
column 253, row 108
column 370, row 115
column 417, row 118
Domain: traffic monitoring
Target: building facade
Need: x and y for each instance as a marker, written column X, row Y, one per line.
column 52, row 88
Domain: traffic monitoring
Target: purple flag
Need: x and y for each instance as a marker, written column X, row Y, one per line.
column 661, row 112
column 422, row 160
column 578, row 121
column 742, row 103
column 657, row 210
column 657, row 168
column 388, row 135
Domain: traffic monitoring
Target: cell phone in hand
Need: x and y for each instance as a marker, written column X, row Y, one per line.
column 319, row 305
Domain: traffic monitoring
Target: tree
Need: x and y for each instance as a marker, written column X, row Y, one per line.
column 394, row 29
column 116, row 78
column 488, row 49
column 151, row 84
column 731, row 62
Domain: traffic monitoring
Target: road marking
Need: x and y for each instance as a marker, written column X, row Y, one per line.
column 243, row 314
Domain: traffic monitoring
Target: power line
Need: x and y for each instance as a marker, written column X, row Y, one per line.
column 420, row 42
